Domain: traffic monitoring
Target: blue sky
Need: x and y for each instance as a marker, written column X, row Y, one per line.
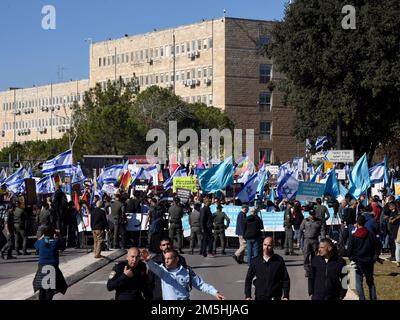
column 31, row 55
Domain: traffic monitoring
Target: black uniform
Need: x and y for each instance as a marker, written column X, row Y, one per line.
column 135, row 288
column 325, row 281
column 272, row 279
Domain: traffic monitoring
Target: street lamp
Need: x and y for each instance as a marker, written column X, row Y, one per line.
column 15, row 111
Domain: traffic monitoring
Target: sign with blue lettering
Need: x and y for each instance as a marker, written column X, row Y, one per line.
column 309, row 191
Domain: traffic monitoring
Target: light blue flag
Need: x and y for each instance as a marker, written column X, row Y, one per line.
column 272, row 194
column 46, row 185
column 386, row 179
column 333, row 187
column 179, row 172
column 317, row 173
column 261, row 185
column 62, row 162
column 359, row 180
column 217, row 178
column 152, row 173
column 288, row 186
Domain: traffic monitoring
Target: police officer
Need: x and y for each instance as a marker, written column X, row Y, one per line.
column 6, row 251
column 175, row 215
column 219, row 228
column 288, row 222
column 119, row 221
column 322, row 213
column 195, row 227
column 20, row 218
column 129, row 278
column 311, row 227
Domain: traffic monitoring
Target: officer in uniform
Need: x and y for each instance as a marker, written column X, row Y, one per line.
column 20, row 218
column 311, row 227
column 129, row 278
column 119, row 221
column 219, row 228
column 175, row 215
column 6, row 251
column 195, row 227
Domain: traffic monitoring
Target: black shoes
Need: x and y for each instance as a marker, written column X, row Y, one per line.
column 181, row 251
column 237, row 259
column 223, row 252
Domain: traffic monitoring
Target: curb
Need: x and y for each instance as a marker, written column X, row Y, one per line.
column 78, row 276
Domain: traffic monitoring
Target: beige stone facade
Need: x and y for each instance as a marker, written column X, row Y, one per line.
column 215, row 62
column 38, row 113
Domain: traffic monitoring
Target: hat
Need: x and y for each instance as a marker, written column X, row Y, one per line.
column 245, row 206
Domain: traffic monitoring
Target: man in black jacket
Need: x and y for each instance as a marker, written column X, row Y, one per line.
column 129, row 278
column 252, row 232
column 206, row 225
column 328, row 275
column 272, row 279
column 98, row 223
column 363, row 254
column 175, row 215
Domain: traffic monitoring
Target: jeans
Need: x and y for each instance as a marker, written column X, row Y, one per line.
column 397, row 252
column 366, row 269
column 253, row 247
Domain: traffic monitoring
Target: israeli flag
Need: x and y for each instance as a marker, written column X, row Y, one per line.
column 288, row 186
column 379, row 173
column 17, row 179
column 283, row 170
column 110, row 175
column 46, row 185
column 62, row 162
column 77, row 174
column 153, row 173
column 179, row 172
column 254, row 184
column 320, row 142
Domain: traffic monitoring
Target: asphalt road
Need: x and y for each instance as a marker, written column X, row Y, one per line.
column 222, row 272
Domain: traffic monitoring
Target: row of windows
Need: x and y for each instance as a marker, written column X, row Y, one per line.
column 43, row 102
column 35, row 123
column 156, row 53
column 206, row 99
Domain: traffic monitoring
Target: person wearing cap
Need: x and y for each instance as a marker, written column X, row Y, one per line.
column 312, row 227
column 219, row 228
column 175, row 215
column 241, row 218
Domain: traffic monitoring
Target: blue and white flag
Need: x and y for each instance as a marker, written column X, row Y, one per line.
column 46, row 185
column 77, row 174
column 255, row 184
column 359, row 180
column 272, row 194
column 288, row 186
column 248, row 173
column 179, row 172
column 379, row 173
column 62, row 162
column 283, row 170
column 153, row 173
column 17, row 179
column 320, row 142
column 110, row 175
column 317, row 173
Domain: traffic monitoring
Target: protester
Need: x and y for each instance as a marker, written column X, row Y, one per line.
column 327, row 273
column 48, row 246
column 272, row 279
column 239, row 254
column 177, row 281
column 252, row 233
column 363, row 254
column 98, row 223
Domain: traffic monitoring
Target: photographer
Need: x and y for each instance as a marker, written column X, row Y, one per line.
column 48, row 246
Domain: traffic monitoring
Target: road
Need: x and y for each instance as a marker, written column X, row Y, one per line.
column 222, row 272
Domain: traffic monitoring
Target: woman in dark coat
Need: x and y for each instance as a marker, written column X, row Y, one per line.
column 49, row 279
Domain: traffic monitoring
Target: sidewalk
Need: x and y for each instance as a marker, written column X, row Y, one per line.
column 73, row 270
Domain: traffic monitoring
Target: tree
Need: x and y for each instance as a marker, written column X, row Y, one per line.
column 339, row 79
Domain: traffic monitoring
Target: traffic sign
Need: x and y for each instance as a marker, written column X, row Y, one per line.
column 345, row 156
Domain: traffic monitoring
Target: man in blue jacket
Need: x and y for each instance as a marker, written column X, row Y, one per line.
column 241, row 218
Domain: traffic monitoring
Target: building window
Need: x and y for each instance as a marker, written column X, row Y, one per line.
column 161, row 52
column 132, row 56
column 193, row 99
column 137, row 56
column 193, row 45
column 183, row 75
column 205, row 44
column 265, row 101
column 267, row 153
column 265, row 130
column 264, row 39
column 210, row 43
column 147, row 54
column 162, row 78
column 113, row 60
column 199, row 73
column 156, row 53
column 177, row 49
column 198, row 44
column 210, row 100
column 188, row 75
column 177, row 76
column 141, row 55
column 188, row 46
column 210, row 72
column 265, row 73
column 193, row 73
column 147, row 80
column 205, row 99
column 182, row 48
column 99, row 62
column 151, row 53
column 166, row 78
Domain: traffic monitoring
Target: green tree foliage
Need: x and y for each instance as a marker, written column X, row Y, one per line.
column 333, row 75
